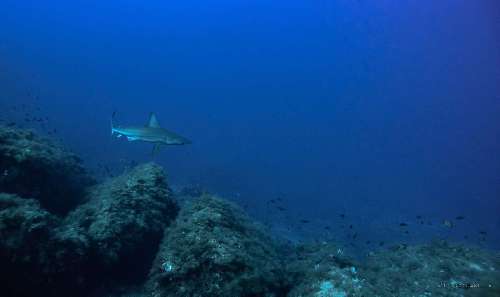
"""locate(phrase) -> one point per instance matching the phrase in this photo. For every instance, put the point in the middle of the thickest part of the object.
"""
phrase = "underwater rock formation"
(213, 249)
(123, 221)
(115, 235)
(324, 270)
(105, 247)
(436, 269)
(25, 233)
(36, 167)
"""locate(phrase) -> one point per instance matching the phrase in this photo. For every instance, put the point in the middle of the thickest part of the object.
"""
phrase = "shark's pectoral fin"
(156, 149)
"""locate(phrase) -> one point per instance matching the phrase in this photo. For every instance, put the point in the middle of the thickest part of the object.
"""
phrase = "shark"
(152, 132)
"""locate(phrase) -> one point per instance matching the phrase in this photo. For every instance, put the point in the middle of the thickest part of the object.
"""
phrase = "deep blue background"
(382, 110)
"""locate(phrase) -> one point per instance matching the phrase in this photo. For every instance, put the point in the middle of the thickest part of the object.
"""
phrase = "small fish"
(327, 228)
(355, 235)
(368, 242)
(5, 172)
(459, 218)
(403, 224)
(350, 226)
(419, 217)
(305, 221)
(342, 216)
(448, 224)
(381, 243)
(280, 208)
(482, 232)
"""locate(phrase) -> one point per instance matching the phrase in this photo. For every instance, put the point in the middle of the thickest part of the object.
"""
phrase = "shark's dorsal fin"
(153, 122)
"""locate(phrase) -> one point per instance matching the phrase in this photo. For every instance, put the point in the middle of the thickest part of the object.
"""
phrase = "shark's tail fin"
(112, 123)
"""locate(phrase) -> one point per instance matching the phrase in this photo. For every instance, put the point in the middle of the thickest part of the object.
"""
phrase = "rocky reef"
(213, 249)
(435, 269)
(123, 221)
(324, 269)
(63, 235)
(36, 167)
(25, 233)
(111, 238)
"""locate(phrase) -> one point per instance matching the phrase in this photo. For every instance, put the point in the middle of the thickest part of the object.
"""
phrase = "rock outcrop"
(38, 168)
(213, 249)
(25, 238)
(110, 239)
(123, 221)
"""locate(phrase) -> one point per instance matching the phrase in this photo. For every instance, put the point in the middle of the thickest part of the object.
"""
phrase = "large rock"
(35, 167)
(213, 249)
(123, 222)
(25, 233)
(113, 237)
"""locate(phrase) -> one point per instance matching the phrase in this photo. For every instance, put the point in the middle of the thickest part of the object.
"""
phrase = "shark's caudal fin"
(153, 122)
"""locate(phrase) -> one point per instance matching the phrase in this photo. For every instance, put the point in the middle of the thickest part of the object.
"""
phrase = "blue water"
(378, 110)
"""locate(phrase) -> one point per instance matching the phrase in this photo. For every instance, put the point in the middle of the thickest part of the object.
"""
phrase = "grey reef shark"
(151, 132)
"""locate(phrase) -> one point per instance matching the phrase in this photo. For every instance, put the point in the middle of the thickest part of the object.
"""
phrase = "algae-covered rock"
(213, 249)
(25, 232)
(324, 270)
(437, 269)
(34, 259)
(123, 221)
(36, 167)
(114, 236)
